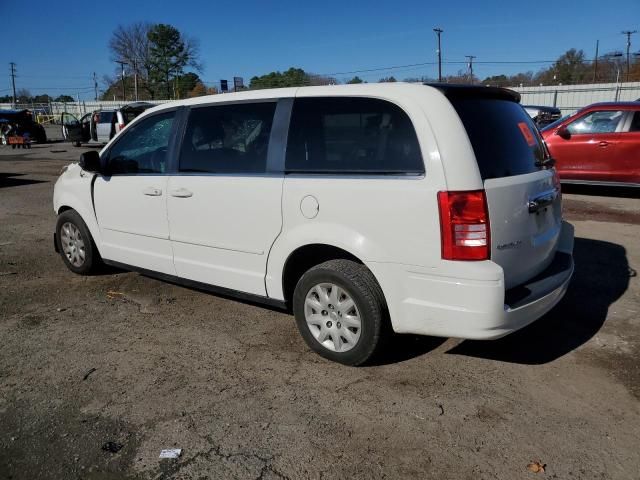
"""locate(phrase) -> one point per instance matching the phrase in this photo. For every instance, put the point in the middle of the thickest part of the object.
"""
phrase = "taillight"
(121, 126)
(464, 225)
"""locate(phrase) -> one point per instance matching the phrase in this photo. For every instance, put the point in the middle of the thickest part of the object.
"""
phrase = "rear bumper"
(424, 303)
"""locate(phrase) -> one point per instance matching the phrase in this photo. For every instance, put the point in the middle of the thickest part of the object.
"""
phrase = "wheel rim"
(332, 317)
(72, 244)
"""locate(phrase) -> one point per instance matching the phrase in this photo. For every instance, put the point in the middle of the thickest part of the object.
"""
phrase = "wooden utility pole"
(628, 33)
(439, 31)
(595, 62)
(124, 92)
(13, 81)
(470, 57)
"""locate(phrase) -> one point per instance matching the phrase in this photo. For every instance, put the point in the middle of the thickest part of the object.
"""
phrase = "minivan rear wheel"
(340, 311)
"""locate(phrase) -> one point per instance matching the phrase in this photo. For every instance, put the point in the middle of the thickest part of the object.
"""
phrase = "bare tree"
(130, 44)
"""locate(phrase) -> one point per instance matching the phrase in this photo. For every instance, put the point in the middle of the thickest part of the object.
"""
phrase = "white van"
(431, 210)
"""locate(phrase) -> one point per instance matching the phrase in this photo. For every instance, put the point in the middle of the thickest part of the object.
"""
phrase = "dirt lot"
(234, 386)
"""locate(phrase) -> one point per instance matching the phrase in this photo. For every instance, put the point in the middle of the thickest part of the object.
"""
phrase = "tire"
(332, 331)
(76, 144)
(75, 244)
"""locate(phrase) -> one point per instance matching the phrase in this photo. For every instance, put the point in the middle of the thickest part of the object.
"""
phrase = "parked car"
(542, 116)
(599, 144)
(22, 123)
(100, 126)
(423, 209)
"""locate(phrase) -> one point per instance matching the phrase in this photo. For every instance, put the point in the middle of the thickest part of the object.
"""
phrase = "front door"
(224, 204)
(589, 151)
(72, 130)
(131, 199)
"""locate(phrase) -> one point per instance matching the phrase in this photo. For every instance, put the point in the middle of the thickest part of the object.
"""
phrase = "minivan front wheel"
(340, 311)
(75, 243)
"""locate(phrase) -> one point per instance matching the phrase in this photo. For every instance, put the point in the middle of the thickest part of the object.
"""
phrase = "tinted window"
(358, 135)
(227, 138)
(106, 117)
(142, 148)
(597, 122)
(504, 138)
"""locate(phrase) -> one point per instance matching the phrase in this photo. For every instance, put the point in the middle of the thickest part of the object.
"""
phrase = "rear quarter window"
(505, 140)
(351, 135)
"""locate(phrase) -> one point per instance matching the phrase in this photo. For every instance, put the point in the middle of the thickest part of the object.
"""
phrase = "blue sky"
(57, 45)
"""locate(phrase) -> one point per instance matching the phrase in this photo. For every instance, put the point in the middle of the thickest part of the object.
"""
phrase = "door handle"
(181, 193)
(603, 144)
(543, 200)
(152, 191)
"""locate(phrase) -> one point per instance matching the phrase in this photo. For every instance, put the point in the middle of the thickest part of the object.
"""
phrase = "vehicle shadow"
(601, 191)
(401, 348)
(9, 180)
(601, 276)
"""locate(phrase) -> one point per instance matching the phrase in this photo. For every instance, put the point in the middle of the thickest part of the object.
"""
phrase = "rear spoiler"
(452, 91)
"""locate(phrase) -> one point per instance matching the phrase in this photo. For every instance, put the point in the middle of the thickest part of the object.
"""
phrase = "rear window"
(106, 117)
(504, 138)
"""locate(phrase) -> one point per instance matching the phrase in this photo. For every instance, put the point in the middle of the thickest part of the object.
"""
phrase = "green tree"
(570, 67)
(186, 83)
(388, 79)
(356, 79)
(44, 98)
(294, 77)
(169, 54)
(64, 98)
(198, 90)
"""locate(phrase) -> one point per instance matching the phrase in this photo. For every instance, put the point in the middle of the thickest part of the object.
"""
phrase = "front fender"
(73, 190)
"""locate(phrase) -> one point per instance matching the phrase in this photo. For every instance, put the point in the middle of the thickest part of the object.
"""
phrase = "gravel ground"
(158, 366)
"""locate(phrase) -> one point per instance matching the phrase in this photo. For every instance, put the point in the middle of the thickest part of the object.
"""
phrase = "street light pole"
(439, 31)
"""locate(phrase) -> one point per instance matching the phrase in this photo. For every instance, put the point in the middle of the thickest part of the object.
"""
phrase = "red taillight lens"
(121, 126)
(464, 225)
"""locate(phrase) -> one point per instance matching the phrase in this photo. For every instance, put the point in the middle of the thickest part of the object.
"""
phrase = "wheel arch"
(304, 257)
(87, 217)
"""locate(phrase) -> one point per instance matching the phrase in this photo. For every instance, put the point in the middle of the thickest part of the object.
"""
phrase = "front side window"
(227, 138)
(143, 147)
(351, 135)
(605, 121)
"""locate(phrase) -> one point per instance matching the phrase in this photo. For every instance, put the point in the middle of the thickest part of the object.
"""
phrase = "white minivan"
(364, 209)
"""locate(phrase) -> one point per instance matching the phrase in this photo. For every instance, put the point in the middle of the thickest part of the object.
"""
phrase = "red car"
(599, 144)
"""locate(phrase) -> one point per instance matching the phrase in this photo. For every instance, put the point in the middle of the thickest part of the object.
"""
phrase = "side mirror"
(90, 161)
(563, 132)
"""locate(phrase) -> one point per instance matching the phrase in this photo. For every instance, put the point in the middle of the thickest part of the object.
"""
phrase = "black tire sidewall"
(71, 216)
(368, 308)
